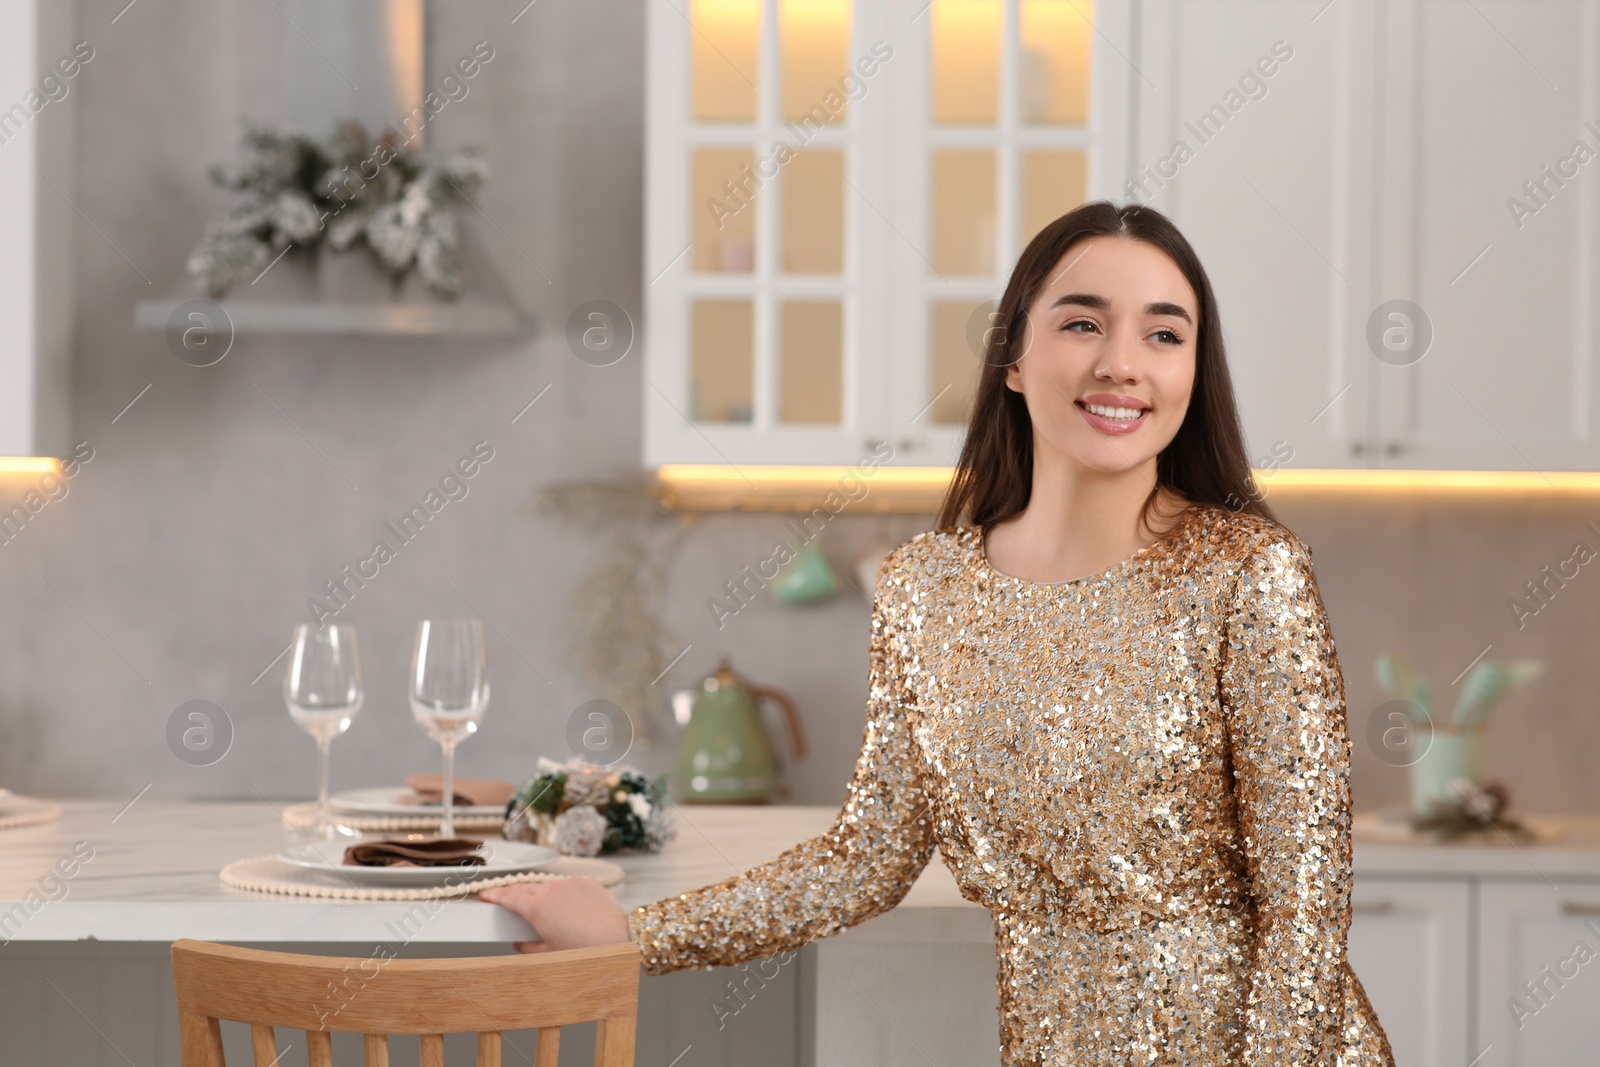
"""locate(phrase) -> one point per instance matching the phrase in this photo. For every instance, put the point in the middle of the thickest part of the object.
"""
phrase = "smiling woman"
(1127, 742)
(1169, 336)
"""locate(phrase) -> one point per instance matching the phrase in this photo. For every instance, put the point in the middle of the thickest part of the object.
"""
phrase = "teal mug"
(1452, 753)
(806, 578)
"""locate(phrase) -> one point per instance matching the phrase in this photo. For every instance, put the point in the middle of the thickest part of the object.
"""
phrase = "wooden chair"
(377, 996)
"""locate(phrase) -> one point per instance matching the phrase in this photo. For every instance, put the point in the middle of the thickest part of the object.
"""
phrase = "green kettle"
(725, 755)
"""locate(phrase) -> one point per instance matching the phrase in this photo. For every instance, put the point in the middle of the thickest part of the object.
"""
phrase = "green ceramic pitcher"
(725, 755)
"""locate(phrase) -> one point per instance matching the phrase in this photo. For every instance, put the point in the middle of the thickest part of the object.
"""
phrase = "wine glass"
(449, 691)
(323, 691)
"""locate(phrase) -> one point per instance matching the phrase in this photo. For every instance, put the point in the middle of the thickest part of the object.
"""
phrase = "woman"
(1126, 737)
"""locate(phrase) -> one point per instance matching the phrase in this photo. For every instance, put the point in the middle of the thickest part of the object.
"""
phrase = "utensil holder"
(1453, 752)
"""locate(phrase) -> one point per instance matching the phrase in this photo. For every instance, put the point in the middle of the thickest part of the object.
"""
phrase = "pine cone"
(579, 831)
(587, 787)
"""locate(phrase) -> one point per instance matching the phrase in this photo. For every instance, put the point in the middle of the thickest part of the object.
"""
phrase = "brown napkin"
(437, 852)
(488, 792)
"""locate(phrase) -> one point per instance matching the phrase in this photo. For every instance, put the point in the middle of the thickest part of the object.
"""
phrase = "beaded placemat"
(302, 816)
(18, 811)
(268, 874)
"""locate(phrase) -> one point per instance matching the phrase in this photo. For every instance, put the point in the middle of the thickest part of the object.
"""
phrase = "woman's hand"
(566, 912)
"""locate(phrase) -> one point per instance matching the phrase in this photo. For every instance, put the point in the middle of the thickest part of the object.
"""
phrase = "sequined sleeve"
(1282, 695)
(862, 866)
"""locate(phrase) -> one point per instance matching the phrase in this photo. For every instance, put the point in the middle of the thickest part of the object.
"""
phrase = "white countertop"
(153, 876)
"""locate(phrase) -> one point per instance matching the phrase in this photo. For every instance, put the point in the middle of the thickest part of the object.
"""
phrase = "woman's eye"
(1175, 339)
(1078, 322)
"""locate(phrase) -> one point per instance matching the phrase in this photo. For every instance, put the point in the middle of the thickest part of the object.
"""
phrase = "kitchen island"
(1444, 938)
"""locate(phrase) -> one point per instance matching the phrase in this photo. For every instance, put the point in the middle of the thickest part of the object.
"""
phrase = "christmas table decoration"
(583, 810)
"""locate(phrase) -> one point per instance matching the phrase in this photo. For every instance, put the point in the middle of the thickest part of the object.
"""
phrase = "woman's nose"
(1118, 359)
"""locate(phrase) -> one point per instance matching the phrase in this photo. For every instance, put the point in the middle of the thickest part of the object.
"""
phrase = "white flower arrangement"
(352, 191)
(583, 810)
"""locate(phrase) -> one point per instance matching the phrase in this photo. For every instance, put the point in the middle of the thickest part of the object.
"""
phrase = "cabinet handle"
(1372, 907)
(1388, 448)
(1573, 907)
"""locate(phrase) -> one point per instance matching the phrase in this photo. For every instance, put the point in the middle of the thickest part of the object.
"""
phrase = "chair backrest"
(377, 996)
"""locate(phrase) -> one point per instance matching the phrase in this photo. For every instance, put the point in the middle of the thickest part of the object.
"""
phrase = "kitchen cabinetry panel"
(1258, 143)
(37, 228)
(1539, 973)
(1494, 231)
(835, 189)
(1391, 201)
(1409, 947)
(898, 1005)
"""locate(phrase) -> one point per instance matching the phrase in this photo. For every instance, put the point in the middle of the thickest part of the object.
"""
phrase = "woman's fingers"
(566, 912)
(518, 898)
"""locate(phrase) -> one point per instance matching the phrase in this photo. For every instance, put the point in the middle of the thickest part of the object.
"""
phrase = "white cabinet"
(1493, 126)
(1409, 947)
(1539, 973)
(37, 225)
(1257, 141)
(905, 1005)
(835, 189)
(1379, 163)
(1392, 201)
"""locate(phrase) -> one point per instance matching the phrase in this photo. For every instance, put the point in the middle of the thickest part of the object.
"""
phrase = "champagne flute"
(449, 691)
(323, 691)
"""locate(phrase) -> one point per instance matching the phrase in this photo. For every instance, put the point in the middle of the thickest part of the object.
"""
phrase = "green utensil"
(1479, 692)
(1420, 696)
(1389, 674)
(1400, 681)
(1477, 700)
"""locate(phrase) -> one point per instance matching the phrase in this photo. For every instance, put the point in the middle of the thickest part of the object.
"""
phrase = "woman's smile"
(1113, 413)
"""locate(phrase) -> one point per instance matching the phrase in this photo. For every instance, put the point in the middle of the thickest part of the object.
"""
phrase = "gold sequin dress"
(1143, 774)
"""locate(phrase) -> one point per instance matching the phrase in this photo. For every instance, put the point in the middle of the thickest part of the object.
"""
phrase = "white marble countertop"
(153, 876)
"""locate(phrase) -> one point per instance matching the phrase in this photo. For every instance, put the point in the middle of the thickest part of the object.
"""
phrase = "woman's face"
(1111, 335)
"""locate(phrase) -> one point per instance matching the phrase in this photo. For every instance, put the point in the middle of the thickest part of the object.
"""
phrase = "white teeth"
(1114, 413)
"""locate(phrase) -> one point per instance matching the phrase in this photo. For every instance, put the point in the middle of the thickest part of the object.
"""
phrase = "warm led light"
(918, 490)
(886, 488)
(1522, 481)
(29, 465)
(792, 475)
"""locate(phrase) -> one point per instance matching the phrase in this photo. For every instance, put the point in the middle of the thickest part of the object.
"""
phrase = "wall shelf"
(466, 318)
(319, 292)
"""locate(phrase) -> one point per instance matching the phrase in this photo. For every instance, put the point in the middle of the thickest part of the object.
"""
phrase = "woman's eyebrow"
(1155, 307)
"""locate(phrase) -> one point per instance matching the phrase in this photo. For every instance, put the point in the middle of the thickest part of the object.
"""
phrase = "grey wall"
(187, 548)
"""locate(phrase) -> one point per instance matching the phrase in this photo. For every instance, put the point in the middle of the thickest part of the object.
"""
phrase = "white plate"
(387, 800)
(500, 857)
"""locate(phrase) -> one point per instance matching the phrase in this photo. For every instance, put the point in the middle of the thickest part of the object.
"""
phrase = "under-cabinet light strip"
(29, 465)
(761, 487)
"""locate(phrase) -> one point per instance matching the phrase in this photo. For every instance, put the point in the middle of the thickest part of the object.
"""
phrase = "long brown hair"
(1206, 460)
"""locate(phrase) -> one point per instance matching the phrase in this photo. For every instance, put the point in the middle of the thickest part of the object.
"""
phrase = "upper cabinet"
(1350, 178)
(46, 60)
(836, 193)
(1256, 138)
(1494, 233)
(1389, 200)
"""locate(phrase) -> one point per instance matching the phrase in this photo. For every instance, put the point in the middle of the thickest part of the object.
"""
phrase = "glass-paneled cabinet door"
(763, 286)
(1015, 112)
